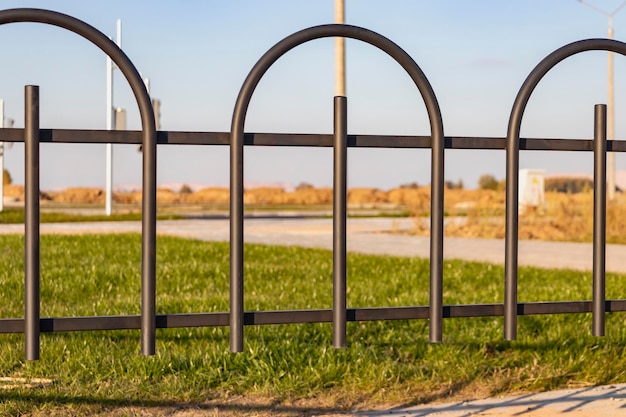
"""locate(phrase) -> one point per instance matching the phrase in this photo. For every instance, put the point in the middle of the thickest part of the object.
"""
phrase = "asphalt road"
(365, 235)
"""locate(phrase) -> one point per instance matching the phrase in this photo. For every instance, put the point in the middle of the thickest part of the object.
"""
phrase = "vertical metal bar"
(236, 243)
(148, 292)
(149, 216)
(599, 219)
(511, 240)
(148, 250)
(340, 174)
(31, 238)
(436, 241)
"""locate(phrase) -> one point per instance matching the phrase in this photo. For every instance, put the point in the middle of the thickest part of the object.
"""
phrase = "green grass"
(16, 216)
(386, 362)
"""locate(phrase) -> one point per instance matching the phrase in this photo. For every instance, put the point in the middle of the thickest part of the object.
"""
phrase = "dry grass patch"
(313, 196)
(15, 191)
(367, 196)
(264, 195)
(213, 195)
(79, 195)
(563, 217)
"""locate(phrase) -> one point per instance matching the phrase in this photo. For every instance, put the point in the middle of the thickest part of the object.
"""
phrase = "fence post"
(31, 220)
(511, 240)
(236, 243)
(340, 154)
(599, 219)
(436, 238)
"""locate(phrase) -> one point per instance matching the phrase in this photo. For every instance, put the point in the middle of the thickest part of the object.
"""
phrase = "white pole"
(610, 163)
(109, 146)
(2, 157)
(109, 126)
(340, 51)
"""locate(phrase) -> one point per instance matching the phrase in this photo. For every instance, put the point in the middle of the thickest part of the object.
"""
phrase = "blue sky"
(476, 55)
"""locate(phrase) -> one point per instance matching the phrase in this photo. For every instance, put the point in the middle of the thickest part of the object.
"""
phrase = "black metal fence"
(32, 324)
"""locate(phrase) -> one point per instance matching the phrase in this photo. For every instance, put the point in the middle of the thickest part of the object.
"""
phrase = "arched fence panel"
(512, 185)
(339, 212)
(148, 259)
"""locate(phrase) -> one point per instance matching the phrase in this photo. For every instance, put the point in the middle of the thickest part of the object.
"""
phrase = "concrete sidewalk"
(604, 401)
(365, 235)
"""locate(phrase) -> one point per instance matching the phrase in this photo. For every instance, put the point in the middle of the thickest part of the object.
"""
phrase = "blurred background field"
(565, 215)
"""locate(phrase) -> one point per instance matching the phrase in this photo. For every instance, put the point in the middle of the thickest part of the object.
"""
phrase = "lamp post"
(340, 51)
(610, 178)
(108, 206)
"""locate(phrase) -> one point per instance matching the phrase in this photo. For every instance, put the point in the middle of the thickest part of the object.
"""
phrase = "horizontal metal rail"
(313, 140)
(252, 318)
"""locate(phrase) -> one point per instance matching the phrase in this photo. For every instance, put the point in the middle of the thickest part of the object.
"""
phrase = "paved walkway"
(365, 235)
(604, 401)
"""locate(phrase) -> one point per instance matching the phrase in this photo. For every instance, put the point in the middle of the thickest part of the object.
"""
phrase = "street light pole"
(611, 119)
(109, 146)
(109, 126)
(610, 178)
(340, 51)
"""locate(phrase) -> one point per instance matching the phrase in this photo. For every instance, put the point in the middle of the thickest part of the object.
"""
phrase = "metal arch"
(512, 165)
(148, 318)
(236, 163)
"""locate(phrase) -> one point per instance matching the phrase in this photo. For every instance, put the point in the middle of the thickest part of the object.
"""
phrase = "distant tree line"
(489, 182)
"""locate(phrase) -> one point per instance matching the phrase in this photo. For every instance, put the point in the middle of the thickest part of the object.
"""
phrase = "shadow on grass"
(237, 406)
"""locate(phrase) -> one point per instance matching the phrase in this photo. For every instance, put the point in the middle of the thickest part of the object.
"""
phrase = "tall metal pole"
(109, 146)
(2, 156)
(109, 126)
(610, 180)
(340, 51)
(610, 177)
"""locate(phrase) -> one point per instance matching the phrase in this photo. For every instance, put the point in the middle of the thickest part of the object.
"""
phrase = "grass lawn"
(289, 368)
(16, 216)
